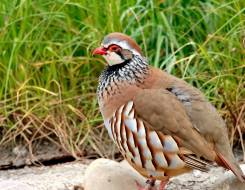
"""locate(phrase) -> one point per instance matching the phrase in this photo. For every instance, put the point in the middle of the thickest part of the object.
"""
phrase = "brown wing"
(162, 111)
(209, 123)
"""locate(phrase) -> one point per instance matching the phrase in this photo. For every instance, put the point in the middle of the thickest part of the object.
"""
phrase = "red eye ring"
(114, 48)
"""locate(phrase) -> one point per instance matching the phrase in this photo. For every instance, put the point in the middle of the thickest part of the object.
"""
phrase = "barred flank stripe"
(151, 150)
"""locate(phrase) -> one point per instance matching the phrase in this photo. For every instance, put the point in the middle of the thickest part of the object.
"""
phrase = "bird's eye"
(114, 48)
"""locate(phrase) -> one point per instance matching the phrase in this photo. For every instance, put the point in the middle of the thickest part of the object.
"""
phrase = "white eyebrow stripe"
(122, 44)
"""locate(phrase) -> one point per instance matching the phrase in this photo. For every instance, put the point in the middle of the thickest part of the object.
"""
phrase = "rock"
(16, 151)
(13, 185)
(111, 175)
(228, 181)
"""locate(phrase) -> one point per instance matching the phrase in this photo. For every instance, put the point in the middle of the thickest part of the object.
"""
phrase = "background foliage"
(48, 76)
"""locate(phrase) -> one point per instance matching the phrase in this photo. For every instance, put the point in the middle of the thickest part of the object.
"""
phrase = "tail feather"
(233, 166)
(198, 164)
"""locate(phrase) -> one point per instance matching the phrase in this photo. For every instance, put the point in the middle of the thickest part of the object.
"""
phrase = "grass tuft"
(49, 76)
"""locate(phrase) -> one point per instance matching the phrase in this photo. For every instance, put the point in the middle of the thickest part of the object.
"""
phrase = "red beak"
(100, 50)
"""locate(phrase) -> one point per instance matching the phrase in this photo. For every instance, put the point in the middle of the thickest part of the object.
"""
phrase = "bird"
(162, 125)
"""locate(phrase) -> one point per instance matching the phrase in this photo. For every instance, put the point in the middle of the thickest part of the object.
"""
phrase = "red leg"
(149, 186)
(163, 184)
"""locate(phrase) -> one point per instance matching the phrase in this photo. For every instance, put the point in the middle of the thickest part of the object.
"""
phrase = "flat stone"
(14, 185)
(228, 181)
(111, 175)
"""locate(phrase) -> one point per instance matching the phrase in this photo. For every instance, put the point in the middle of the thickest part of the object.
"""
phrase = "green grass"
(48, 76)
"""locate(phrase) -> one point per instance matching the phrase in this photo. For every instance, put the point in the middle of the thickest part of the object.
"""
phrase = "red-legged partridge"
(162, 125)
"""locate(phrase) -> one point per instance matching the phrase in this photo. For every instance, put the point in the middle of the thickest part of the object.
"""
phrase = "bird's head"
(118, 48)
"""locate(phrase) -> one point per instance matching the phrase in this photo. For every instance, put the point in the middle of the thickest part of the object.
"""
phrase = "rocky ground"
(110, 175)
(106, 174)
(56, 177)
(99, 175)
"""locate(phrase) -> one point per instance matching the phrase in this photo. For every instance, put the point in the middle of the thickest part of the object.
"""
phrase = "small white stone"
(24, 153)
(197, 173)
(16, 150)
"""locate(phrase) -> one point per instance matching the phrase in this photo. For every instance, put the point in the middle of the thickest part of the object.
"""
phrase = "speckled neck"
(132, 72)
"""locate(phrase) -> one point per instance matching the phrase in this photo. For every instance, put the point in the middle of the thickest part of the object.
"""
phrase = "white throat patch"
(112, 58)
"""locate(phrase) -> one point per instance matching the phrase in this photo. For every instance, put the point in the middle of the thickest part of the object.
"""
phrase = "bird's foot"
(163, 184)
(151, 183)
(149, 186)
